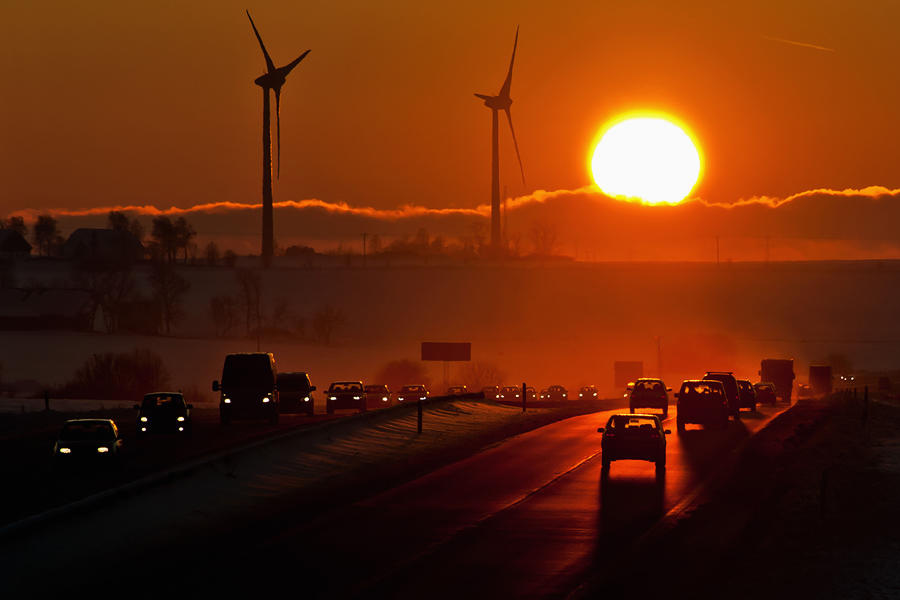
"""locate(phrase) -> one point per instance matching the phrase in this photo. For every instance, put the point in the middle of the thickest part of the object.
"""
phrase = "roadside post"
(865, 418)
(419, 415)
(46, 401)
(524, 396)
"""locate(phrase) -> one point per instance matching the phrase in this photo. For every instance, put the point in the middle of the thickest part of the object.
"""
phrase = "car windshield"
(643, 387)
(632, 424)
(378, 389)
(690, 388)
(413, 388)
(587, 389)
(163, 401)
(87, 431)
(556, 388)
(293, 381)
(510, 388)
(745, 386)
(346, 387)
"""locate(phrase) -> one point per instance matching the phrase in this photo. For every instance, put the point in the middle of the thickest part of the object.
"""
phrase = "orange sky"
(108, 104)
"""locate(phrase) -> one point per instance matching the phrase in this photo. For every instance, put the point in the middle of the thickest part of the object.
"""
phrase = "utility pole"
(717, 251)
(767, 248)
(659, 372)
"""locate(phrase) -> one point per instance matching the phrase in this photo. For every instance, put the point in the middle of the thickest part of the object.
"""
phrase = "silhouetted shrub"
(117, 376)
(398, 373)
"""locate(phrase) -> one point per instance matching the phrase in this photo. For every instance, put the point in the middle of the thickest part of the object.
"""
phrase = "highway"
(527, 518)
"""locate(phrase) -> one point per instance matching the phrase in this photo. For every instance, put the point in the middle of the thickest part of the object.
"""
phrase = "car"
(164, 412)
(555, 393)
(412, 393)
(345, 394)
(648, 392)
(729, 381)
(491, 392)
(457, 390)
(295, 393)
(804, 390)
(588, 391)
(87, 441)
(747, 394)
(765, 392)
(378, 395)
(633, 436)
(511, 393)
(249, 387)
(530, 393)
(702, 401)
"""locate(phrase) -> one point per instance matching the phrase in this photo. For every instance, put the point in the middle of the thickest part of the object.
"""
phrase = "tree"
(374, 244)
(326, 322)
(17, 224)
(229, 258)
(398, 373)
(184, 235)
(224, 313)
(212, 254)
(46, 234)
(168, 289)
(249, 294)
(119, 221)
(165, 238)
(479, 374)
(543, 238)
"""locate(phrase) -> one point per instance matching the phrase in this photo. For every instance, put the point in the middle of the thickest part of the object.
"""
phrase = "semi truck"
(780, 372)
(820, 380)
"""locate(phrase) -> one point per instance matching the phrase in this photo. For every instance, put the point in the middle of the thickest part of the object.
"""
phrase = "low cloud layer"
(812, 225)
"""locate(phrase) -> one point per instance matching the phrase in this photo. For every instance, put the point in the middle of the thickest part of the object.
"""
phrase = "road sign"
(447, 351)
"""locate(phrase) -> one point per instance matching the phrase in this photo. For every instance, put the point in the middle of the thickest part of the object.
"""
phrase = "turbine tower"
(272, 79)
(501, 101)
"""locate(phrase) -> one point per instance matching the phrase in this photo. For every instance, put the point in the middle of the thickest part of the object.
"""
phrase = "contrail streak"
(801, 44)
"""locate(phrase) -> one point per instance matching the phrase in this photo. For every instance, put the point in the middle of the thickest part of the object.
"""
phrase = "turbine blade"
(290, 66)
(504, 91)
(269, 64)
(278, 131)
(483, 96)
(516, 144)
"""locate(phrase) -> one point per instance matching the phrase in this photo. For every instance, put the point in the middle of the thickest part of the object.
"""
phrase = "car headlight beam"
(102, 449)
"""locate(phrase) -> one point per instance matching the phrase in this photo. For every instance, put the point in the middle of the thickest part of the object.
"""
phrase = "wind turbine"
(501, 101)
(272, 79)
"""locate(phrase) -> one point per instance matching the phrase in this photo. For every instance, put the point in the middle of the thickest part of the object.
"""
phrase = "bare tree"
(326, 322)
(168, 289)
(46, 234)
(165, 238)
(249, 293)
(229, 258)
(479, 374)
(17, 224)
(398, 373)
(184, 235)
(110, 287)
(543, 238)
(212, 254)
(224, 313)
(119, 221)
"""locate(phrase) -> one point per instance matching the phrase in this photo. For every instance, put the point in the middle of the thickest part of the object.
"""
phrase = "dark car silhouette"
(457, 390)
(249, 387)
(87, 442)
(378, 395)
(164, 412)
(729, 382)
(491, 392)
(555, 393)
(511, 392)
(649, 392)
(295, 393)
(531, 393)
(588, 391)
(702, 401)
(765, 392)
(633, 437)
(412, 393)
(345, 394)
(747, 394)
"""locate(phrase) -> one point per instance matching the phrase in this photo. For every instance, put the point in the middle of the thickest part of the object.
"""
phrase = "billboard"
(447, 351)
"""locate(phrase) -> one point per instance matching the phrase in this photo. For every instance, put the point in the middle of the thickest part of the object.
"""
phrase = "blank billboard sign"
(447, 351)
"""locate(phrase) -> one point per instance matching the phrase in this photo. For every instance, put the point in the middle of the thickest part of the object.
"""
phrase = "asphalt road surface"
(530, 517)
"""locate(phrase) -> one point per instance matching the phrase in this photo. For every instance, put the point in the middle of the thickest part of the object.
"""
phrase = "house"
(13, 245)
(108, 245)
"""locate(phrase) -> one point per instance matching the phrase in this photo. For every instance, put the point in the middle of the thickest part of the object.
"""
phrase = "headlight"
(384, 398)
(102, 449)
(581, 395)
(267, 399)
(400, 399)
(595, 393)
(306, 398)
(143, 429)
(65, 451)
(143, 419)
(227, 400)
(181, 429)
(332, 397)
(356, 397)
(517, 395)
(497, 396)
(421, 397)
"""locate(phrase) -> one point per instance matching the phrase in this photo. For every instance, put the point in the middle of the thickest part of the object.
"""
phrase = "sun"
(649, 159)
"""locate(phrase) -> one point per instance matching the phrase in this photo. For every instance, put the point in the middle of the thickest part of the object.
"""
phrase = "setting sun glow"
(648, 159)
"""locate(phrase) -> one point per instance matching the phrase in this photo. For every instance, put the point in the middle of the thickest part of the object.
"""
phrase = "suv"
(729, 382)
(747, 393)
(636, 437)
(511, 393)
(491, 392)
(83, 441)
(648, 392)
(379, 395)
(163, 412)
(295, 393)
(457, 390)
(345, 394)
(248, 387)
(702, 401)
(588, 391)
